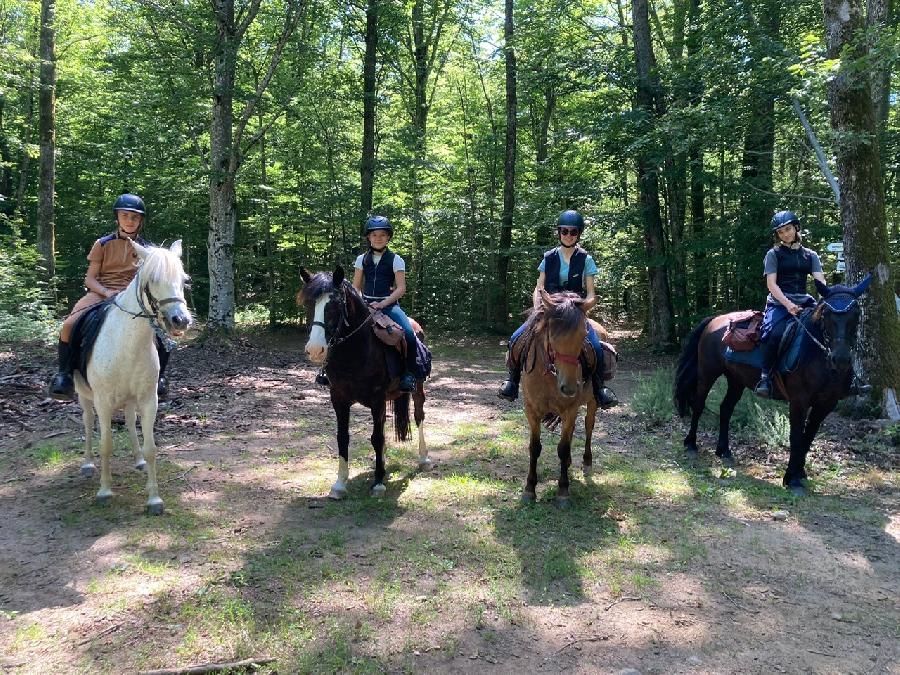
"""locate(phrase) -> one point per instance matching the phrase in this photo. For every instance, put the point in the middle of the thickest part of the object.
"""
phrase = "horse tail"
(400, 408)
(687, 372)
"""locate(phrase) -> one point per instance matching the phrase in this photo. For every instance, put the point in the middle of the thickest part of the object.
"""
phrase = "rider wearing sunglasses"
(568, 267)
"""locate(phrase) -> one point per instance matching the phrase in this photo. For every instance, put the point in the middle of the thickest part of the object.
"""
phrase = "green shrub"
(652, 398)
(25, 312)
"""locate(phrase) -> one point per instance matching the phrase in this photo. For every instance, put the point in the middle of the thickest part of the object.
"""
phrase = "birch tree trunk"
(660, 320)
(367, 164)
(862, 197)
(46, 225)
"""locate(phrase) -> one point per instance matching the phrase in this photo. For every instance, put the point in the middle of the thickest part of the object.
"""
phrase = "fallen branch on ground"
(252, 664)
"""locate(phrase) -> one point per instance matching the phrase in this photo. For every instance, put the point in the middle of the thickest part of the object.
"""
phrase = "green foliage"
(24, 312)
(652, 399)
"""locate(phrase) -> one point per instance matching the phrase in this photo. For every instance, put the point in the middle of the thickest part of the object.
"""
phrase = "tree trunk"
(660, 319)
(223, 167)
(367, 165)
(862, 195)
(25, 164)
(753, 235)
(509, 167)
(879, 17)
(46, 226)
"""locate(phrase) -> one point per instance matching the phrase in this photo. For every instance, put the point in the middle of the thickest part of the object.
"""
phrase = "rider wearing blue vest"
(380, 276)
(568, 267)
(786, 266)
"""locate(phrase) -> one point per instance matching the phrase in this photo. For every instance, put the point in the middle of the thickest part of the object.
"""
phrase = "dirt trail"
(662, 566)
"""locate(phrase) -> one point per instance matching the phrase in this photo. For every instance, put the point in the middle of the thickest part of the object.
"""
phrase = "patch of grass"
(26, 636)
(49, 456)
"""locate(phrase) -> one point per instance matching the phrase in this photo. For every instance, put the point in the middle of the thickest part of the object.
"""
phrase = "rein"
(826, 348)
(152, 317)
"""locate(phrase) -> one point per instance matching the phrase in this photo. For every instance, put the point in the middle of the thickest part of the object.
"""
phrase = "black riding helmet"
(129, 202)
(783, 218)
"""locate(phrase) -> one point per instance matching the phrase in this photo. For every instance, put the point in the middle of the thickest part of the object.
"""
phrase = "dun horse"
(355, 361)
(120, 369)
(821, 378)
(553, 382)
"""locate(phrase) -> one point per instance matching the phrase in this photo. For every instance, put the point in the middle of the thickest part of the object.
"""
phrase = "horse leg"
(377, 438)
(342, 413)
(816, 416)
(419, 417)
(690, 441)
(106, 444)
(87, 416)
(732, 396)
(534, 451)
(795, 474)
(590, 418)
(130, 422)
(155, 505)
(564, 451)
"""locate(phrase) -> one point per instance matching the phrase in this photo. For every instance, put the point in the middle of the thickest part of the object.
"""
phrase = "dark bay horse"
(812, 390)
(355, 361)
(553, 382)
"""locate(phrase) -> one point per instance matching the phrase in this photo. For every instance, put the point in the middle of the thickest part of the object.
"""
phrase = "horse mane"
(321, 283)
(161, 264)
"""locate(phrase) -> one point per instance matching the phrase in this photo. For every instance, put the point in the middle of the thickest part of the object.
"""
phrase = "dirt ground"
(662, 565)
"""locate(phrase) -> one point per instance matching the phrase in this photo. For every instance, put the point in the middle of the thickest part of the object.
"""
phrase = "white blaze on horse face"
(316, 345)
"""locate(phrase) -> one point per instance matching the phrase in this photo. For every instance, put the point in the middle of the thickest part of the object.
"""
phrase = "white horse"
(123, 367)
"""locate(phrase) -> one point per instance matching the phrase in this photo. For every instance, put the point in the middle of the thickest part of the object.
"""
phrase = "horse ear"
(138, 249)
(176, 247)
(338, 276)
(305, 275)
(546, 299)
(863, 285)
(822, 288)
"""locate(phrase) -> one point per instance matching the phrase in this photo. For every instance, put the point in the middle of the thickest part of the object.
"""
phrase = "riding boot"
(606, 398)
(769, 350)
(408, 381)
(162, 386)
(510, 388)
(62, 387)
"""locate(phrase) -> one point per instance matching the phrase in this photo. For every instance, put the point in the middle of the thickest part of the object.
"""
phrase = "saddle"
(84, 334)
(742, 334)
(391, 333)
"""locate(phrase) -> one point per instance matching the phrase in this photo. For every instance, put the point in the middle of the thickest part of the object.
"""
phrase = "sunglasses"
(569, 231)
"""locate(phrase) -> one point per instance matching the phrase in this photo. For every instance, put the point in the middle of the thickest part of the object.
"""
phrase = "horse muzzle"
(315, 353)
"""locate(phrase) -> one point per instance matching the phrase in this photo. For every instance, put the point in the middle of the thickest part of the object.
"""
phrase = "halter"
(338, 295)
(152, 317)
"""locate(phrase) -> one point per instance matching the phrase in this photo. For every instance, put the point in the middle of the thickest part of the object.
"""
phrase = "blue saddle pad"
(787, 361)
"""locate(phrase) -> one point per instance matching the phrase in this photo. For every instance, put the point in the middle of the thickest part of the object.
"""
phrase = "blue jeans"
(400, 317)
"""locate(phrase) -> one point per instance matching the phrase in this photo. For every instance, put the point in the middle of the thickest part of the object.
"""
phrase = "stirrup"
(509, 390)
(606, 398)
(408, 383)
(763, 388)
(62, 387)
(162, 388)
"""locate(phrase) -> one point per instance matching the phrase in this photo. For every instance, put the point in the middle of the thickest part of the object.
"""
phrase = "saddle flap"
(85, 332)
(388, 331)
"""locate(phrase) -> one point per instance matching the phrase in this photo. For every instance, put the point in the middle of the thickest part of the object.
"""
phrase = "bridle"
(339, 295)
(825, 343)
(140, 289)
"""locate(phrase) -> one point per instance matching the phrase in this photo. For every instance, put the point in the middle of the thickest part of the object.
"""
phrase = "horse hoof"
(728, 460)
(587, 470)
(88, 470)
(425, 464)
(141, 466)
(337, 494)
(797, 490)
(563, 503)
(155, 508)
(691, 451)
(527, 498)
(378, 490)
(103, 500)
